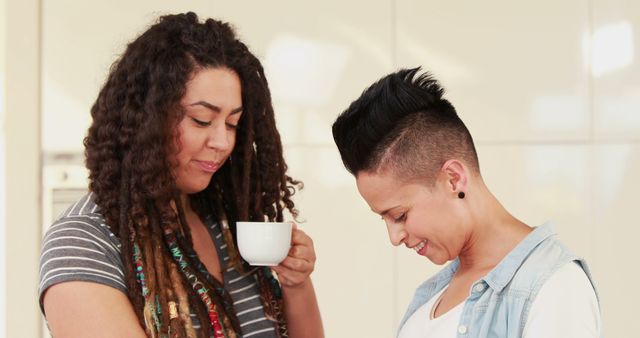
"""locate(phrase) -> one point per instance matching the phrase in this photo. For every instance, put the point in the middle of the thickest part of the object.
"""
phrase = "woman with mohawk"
(416, 165)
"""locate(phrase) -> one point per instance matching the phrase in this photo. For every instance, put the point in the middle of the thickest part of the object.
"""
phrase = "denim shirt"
(498, 304)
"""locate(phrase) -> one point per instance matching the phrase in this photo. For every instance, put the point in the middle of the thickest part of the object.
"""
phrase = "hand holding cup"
(298, 265)
(281, 245)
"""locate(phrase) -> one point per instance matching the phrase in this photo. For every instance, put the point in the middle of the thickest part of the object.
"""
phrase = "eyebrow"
(386, 211)
(215, 108)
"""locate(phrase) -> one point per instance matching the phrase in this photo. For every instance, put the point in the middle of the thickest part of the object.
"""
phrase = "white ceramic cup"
(263, 243)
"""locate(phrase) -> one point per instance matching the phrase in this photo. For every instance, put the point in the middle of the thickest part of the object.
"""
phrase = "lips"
(208, 166)
(420, 248)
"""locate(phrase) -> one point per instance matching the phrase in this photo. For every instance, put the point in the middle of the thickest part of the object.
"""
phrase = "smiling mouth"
(419, 248)
(208, 166)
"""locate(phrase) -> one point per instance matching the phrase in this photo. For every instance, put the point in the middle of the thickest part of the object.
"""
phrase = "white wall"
(20, 249)
(549, 89)
(2, 169)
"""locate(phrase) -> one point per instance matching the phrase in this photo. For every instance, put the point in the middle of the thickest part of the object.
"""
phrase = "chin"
(438, 261)
(193, 189)
(199, 189)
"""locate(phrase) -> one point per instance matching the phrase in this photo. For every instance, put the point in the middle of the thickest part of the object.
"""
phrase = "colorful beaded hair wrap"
(270, 291)
(221, 324)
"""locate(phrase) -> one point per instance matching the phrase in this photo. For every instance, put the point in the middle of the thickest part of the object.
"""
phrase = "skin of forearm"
(302, 311)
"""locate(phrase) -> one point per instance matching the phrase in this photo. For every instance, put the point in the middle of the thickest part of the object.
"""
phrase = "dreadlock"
(128, 149)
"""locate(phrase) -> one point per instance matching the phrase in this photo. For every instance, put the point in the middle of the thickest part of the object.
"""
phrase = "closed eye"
(201, 123)
(401, 218)
(232, 126)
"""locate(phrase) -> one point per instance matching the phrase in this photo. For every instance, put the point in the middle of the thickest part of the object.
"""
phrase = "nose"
(397, 234)
(219, 138)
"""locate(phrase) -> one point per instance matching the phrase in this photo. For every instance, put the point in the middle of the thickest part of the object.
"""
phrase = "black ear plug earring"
(461, 195)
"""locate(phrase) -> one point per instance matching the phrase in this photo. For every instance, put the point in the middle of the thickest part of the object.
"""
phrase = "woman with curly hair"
(183, 144)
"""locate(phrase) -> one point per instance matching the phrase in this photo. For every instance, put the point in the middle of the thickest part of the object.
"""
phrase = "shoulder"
(541, 263)
(551, 252)
(565, 306)
(569, 281)
(83, 206)
(79, 246)
(82, 220)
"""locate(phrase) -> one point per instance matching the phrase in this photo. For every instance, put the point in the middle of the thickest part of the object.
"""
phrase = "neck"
(186, 204)
(193, 220)
(494, 232)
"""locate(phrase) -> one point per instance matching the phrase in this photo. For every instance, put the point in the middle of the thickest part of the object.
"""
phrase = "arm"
(85, 309)
(301, 305)
(565, 307)
(82, 286)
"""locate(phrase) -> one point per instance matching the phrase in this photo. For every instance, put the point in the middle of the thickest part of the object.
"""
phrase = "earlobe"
(457, 177)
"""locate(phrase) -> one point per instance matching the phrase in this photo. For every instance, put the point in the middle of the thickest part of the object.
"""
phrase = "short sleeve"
(80, 248)
(565, 307)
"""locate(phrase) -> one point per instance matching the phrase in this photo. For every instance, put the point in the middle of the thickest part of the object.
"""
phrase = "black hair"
(403, 123)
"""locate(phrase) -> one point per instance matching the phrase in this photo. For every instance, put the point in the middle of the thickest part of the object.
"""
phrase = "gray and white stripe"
(79, 246)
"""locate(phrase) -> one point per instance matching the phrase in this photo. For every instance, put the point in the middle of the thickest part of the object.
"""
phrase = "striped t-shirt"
(79, 246)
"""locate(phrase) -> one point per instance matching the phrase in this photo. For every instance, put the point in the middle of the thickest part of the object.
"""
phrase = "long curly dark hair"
(128, 150)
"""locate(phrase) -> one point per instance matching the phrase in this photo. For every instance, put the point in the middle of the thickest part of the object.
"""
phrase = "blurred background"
(549, 89)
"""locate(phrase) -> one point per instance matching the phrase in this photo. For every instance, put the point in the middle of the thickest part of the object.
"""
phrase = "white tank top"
(422, 324)
(566, 307)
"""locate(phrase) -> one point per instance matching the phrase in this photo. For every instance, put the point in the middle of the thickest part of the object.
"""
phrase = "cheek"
(186, 148)
(419, 220)
(418, 227)
(194, 138)
(183, 150)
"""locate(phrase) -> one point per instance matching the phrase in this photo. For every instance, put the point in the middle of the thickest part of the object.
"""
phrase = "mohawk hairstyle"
(403, 123)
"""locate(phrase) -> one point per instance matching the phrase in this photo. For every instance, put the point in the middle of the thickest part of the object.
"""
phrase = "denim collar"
(497, 279)
(502, 274)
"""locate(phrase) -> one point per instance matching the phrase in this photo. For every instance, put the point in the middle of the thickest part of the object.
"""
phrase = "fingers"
(302, 246)
(293, 272)
(299, 237)
(297, 264)
(303, 252)
(300, 262)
